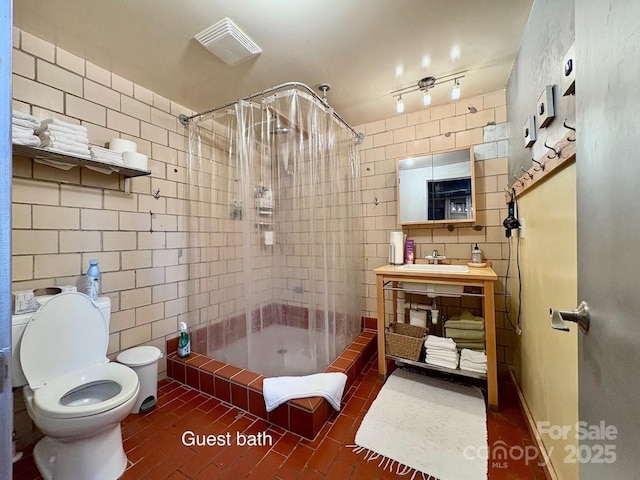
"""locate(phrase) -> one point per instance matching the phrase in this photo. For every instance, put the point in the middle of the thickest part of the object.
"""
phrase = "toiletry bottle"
(93, 279)
(184, 344)
(476, 255)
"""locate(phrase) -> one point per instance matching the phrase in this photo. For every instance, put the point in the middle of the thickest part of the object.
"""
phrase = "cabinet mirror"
(437, 188)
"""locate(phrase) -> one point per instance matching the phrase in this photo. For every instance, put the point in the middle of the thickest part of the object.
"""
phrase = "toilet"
(73, 394)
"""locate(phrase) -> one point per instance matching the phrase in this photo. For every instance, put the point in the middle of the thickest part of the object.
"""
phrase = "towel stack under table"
(441, 352)
(467, 331)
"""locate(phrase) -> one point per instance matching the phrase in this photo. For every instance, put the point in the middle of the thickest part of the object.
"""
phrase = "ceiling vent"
(227, 42)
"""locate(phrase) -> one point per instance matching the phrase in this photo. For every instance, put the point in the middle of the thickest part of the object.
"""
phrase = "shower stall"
(274, 209)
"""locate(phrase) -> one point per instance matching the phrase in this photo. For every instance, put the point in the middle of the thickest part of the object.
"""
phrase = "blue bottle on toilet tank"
(93, 279)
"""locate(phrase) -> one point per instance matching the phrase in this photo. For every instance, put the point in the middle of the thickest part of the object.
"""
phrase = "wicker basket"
(403, 340)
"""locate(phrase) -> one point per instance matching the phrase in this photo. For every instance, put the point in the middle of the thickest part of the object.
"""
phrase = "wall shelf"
(37, 153)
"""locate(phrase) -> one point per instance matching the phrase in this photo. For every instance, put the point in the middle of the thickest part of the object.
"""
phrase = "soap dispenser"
(476, 255)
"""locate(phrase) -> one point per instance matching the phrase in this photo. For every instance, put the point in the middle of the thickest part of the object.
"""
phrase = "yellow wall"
(547, 365)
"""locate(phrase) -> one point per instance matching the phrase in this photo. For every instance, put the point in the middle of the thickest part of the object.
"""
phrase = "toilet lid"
(66, 334)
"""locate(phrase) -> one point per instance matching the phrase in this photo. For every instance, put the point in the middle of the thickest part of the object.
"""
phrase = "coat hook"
(507, 189)
(556, 152)
(376, 201)
(518, 180)
(564, 124)
(156, 193)
(539, 163)
(527, 172)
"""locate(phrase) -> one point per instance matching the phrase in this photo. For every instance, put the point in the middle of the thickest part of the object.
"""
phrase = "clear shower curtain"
(277, 181)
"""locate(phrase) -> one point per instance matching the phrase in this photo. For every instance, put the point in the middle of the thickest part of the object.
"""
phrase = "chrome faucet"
(435, 256)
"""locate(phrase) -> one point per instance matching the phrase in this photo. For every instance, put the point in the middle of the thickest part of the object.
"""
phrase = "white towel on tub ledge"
(278, 390)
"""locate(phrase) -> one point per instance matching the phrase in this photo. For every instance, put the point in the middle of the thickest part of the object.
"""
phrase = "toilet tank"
(19, 323)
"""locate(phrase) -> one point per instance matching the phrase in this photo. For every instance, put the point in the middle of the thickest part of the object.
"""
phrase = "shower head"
(279, 129)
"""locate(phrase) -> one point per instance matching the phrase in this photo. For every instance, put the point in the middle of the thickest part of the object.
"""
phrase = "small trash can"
(144, 361)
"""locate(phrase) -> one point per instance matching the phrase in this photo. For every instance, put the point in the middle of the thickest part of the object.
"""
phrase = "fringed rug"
(423, 427)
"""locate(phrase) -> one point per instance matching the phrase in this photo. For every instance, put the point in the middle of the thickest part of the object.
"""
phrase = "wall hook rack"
(556, 152)
(564, 153)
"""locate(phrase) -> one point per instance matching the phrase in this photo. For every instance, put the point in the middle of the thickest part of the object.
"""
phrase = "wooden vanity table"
(388, 277)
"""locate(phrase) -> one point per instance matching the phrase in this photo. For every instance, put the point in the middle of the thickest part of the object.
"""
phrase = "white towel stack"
(105, 155)
(23, 127)
(64, 137)
(473, 361)
(441, 352)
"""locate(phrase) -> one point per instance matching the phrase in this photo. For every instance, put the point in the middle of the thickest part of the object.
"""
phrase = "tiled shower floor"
(153, 441)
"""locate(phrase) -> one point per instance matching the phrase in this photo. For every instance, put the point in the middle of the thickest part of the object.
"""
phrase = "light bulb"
(426, 98)
(399, 105)
(455, 91)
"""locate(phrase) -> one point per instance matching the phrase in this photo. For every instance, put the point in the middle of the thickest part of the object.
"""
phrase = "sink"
(430, 268)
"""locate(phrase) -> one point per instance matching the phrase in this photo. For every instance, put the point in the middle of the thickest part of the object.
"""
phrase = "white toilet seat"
(47, 399)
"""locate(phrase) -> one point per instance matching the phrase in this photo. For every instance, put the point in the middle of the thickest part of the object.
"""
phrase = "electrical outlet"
(523, 227)
(545, 110)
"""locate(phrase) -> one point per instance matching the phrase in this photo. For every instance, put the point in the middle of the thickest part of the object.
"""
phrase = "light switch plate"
(545, 111)
(529, 131)
(569, 72)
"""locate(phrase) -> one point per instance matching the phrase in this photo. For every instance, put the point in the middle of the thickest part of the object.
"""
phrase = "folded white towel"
(104, 154)
(448, 356)
(441, 363)
(17, 131)
(278, 390)
(433, 341)
(19, 122)
(64, 137)
(25, 117)
(60, 129)
(31, 141)
(54, 122)
(472, 367)
(473, 356)
(48, 141)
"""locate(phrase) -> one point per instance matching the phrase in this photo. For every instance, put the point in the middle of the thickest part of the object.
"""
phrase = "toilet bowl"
(74, 395)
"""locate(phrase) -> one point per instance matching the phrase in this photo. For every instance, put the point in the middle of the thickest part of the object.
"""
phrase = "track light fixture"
(425, 85)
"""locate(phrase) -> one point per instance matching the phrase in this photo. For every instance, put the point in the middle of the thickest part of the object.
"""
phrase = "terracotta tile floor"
(153, 441)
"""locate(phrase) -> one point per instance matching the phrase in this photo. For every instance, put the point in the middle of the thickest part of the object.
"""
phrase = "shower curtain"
(275, 182)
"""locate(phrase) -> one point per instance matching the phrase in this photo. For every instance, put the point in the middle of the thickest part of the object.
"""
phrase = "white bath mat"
(422, 424)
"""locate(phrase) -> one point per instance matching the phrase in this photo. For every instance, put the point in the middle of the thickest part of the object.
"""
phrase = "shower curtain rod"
(184, 120)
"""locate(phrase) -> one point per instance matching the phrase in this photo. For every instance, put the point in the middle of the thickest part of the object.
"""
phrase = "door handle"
(580, 316)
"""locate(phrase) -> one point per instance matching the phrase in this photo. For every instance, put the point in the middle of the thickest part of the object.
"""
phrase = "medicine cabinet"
(438, 188)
